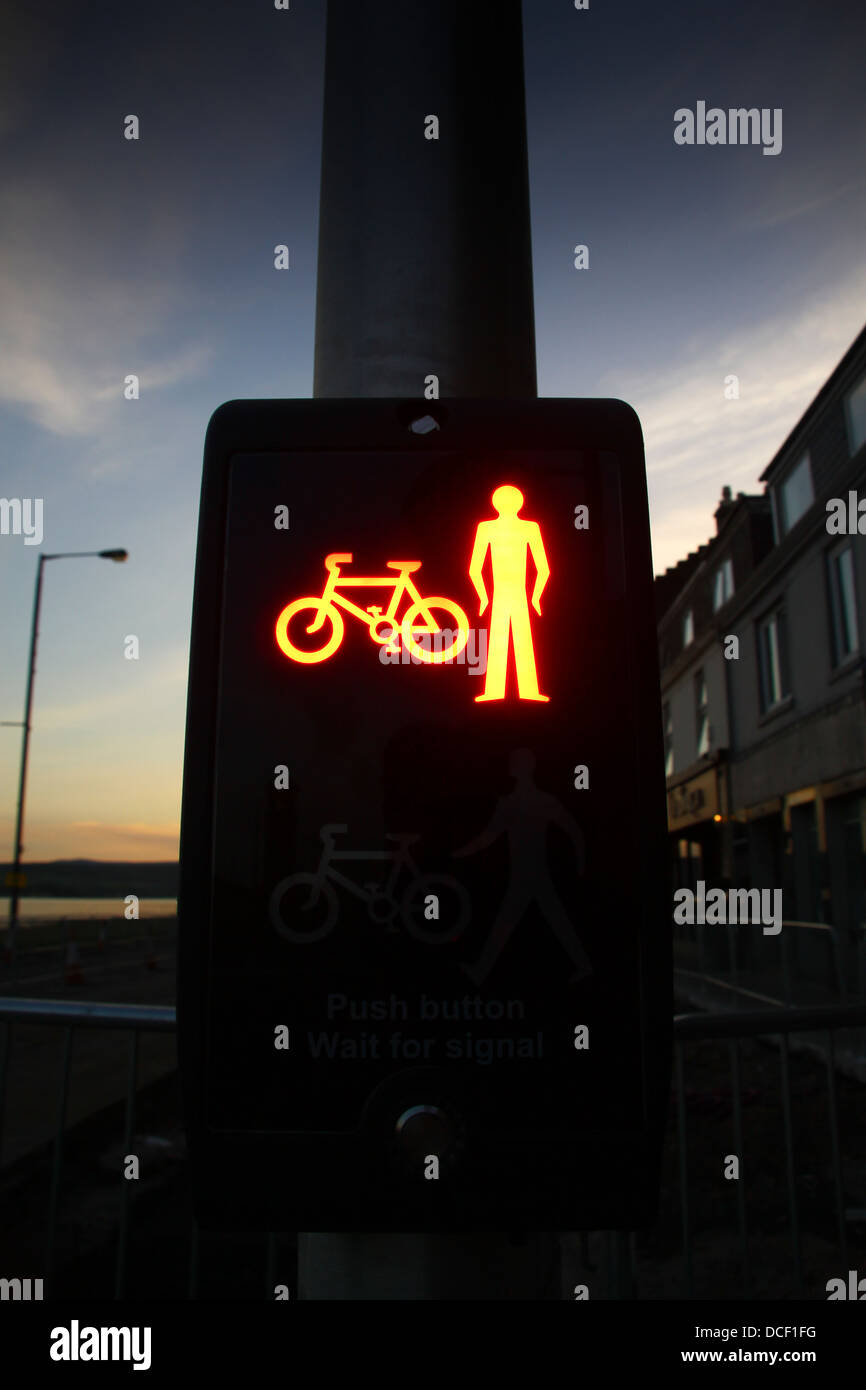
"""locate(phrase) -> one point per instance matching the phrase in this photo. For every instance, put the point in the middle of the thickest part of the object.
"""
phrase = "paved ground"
(113, 972)
(135, 970)
(160, 1250)
(160, 1247)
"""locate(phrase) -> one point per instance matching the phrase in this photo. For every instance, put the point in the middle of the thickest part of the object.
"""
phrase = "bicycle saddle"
(407, 566)
(327, 832)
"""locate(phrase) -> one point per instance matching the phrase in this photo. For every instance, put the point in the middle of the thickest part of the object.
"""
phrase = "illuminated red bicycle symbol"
(418, 621)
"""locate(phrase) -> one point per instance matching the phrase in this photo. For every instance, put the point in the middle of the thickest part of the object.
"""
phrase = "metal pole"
(129, 1130)
(117, 555)
(684, 1172)
(425, 270)
(425, 261)
(22, 781)
(57, 1160)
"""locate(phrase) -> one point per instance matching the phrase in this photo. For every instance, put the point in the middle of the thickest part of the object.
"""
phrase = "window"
(774, 508)
(843, 603)
(773, 660)
(723, 586)
(855, 411)
(688, 628)
(702, 715)
(669, 738)
(797, 494)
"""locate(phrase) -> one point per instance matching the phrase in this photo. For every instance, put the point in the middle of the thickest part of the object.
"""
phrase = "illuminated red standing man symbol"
(509, 539)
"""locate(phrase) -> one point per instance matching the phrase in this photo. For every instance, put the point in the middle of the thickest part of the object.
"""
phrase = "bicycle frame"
(386, 628)
(401, 584)
(398, 857)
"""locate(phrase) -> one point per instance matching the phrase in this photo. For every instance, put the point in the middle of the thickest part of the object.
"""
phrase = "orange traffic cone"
(74, 975)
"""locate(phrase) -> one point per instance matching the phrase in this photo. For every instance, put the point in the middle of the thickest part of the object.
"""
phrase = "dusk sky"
(155, 257)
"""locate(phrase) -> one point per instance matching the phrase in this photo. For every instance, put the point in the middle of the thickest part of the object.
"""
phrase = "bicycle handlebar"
(327, 832)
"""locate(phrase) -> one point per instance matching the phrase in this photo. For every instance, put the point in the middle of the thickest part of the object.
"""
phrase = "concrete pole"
(425, 270)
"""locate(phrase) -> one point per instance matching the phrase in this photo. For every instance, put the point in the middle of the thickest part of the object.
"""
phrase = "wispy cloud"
(140, 830)
(94, 839)
(780, 209)
(696, 440)
(29, 38)
(75, 324)
(159, 685)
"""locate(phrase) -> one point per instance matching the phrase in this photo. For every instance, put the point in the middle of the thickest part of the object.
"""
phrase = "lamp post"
(118, 556)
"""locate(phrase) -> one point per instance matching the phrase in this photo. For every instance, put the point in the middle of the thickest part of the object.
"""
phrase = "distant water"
(30, 909)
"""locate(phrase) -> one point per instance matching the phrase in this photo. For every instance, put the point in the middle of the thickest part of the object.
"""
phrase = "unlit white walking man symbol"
(524, 816)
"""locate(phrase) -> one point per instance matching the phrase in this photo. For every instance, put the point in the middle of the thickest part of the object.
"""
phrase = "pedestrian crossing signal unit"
(425, 958)
(510, 541)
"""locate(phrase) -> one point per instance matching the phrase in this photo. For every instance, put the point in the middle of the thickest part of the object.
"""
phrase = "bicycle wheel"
(452, 903)
(296, 896)
(456, 622)
(314, 607)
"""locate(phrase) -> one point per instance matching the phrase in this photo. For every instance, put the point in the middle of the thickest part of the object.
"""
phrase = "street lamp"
(15, 875)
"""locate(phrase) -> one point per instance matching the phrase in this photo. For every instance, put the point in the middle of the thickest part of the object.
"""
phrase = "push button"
(426, 1129)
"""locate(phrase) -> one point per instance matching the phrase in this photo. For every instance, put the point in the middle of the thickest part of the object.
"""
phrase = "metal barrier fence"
(67, 1016)
(734, 1026)
(776, 1023)
(816, 956)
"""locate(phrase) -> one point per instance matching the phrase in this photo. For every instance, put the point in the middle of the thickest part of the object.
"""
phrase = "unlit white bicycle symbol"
(304, 907)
